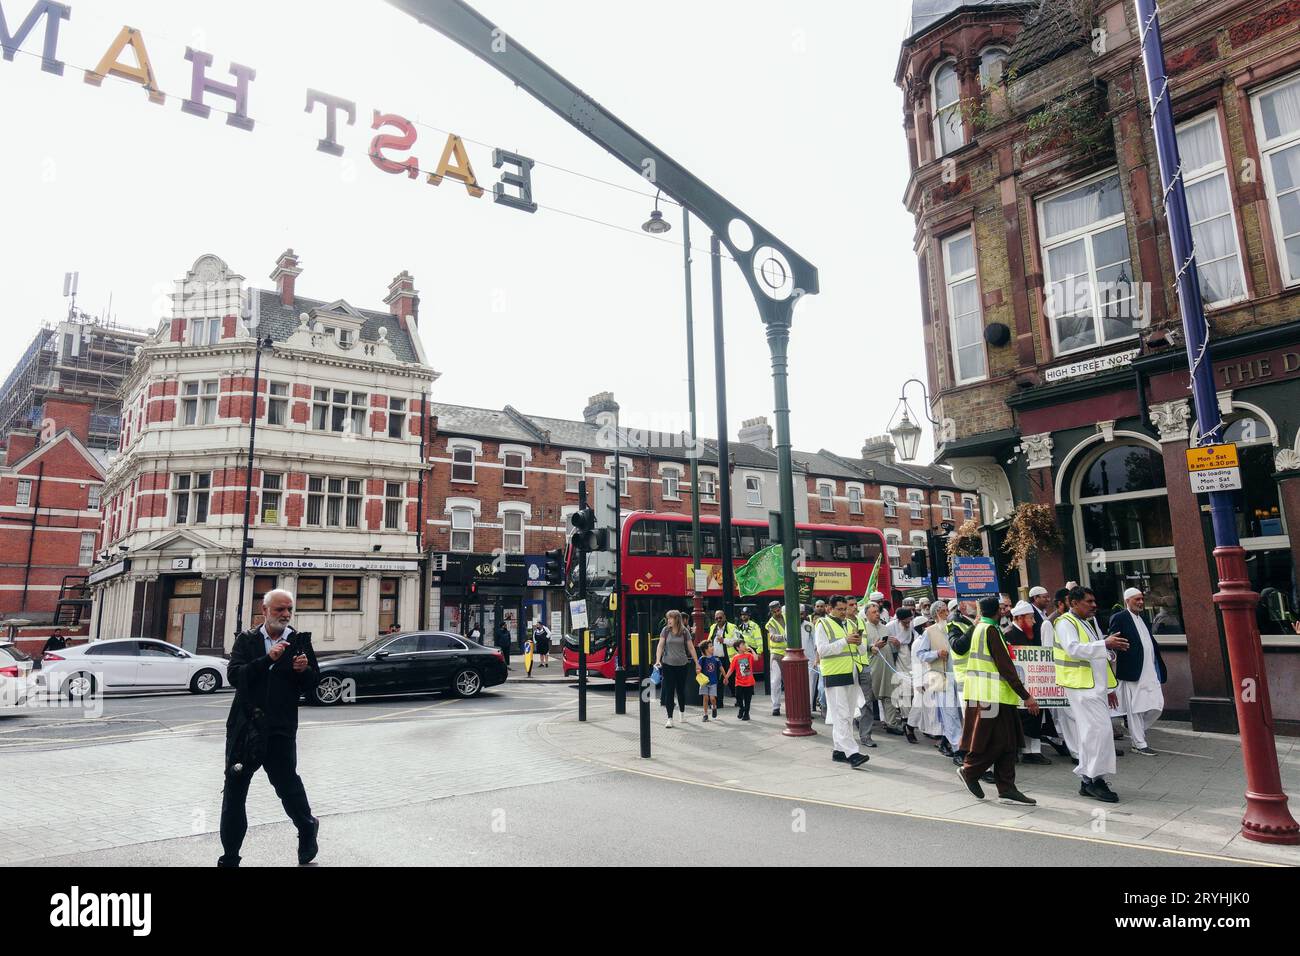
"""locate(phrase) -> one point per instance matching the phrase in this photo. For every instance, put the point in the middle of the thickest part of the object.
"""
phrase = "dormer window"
(993, 64)
(345, 339)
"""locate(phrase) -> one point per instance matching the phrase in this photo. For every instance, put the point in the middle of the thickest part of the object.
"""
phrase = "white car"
(15, 678)
(131, 664)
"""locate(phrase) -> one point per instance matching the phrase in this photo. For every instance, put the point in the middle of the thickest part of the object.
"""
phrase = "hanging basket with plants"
(966, 542)
(1033, 529)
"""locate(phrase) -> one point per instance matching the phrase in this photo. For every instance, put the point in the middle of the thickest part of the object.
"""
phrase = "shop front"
(481, 590)
(1108, 451)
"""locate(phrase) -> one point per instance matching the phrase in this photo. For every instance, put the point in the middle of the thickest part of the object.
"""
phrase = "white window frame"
(192, 491)
(855, 494)
(708, 486)
(1267, 148)
(205, 331)
(889, 501)
(1192, 177)
(452, 449)
(951, 283)
(967, 507)
(826, 497)
(506, 533)
(274, 491)
(86, 556)
(945, 505)
(754, 492)
(916, 504)
(344, 497)
(277, 404)
(572, 478)
(202, 403)
(937, 110)
(392, 499)
(624, 472)
(672, 484)
(1086, 233)
(355, 411)
(506, 468)
(94, 497)
(894, 547)
(397, 409)
(23, 499)
(469, 531)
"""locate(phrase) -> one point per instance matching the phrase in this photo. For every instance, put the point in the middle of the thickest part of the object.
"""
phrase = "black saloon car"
(414, 663)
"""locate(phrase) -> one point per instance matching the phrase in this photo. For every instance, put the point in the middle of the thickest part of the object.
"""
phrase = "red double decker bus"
(658, 574)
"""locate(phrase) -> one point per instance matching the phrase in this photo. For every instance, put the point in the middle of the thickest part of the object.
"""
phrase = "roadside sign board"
(578, 615)
(1214, 468)
(974, 577)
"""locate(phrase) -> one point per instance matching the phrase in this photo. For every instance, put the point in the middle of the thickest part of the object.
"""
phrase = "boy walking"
(711, 668)
(742, 669)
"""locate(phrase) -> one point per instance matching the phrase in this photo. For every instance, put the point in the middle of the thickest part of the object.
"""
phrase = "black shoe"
(893, 730)
(776, 713)
(988, 777)
(945, 748)
(972, 785)
(1075, 761)
(1098, 790)
(1015, 796)
(857, 760)
(839, 756)
(910, 731)
(958, 758)
(307, 845)
(1060, 748)
(1038, 759)
(228, 861)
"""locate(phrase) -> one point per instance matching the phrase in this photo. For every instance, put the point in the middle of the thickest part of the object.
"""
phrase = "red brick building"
(1055, 347)
(50, 487)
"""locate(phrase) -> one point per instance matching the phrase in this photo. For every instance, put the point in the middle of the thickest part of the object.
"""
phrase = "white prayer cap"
(909, 602)
(1024, 607)
(954, 605)
(877, 596)
(1036, 590)
(1132, 593)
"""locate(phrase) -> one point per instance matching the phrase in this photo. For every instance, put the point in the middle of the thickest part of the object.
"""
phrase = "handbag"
(656, 676)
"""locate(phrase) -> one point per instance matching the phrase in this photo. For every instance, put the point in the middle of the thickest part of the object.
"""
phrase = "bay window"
(945, 95)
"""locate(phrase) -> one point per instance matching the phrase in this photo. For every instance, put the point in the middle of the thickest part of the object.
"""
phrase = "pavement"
(1188, 800)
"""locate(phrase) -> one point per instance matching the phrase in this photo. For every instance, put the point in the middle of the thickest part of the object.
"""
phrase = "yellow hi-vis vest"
(982, 682)
(1072, 672)
(862, 654)
(959, 661)
(776, 636)
(728, 631)
(837, 665)
(753, 635)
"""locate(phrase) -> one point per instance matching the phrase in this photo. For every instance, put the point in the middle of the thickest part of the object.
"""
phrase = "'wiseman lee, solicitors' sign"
(396, 134)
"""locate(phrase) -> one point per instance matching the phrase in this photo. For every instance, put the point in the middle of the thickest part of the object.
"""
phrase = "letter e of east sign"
(514, 188)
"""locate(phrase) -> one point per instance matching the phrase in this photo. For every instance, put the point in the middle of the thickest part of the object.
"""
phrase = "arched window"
(1124, 534)
(945, 95)
(993, 63)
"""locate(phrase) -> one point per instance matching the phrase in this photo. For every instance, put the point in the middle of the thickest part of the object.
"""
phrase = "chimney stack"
(880, 448)
(285, 275)
(756, 432)
(599, 405)
(70, 414)
(21, 443)
(403, 301)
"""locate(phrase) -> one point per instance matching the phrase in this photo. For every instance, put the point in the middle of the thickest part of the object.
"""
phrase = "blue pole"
(1266, 819)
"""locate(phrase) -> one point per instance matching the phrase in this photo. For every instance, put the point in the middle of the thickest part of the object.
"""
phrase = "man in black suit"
(270, 667)
(1139, 669)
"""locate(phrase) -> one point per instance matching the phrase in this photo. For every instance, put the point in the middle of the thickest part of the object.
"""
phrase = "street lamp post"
(258, 345)
(1267, 819)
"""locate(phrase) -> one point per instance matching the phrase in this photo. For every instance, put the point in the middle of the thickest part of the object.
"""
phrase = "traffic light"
(555, 566)
(583, 523)
(919, 567)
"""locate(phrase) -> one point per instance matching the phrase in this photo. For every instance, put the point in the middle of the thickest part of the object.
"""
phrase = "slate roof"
(927, 13)
(1051, 31)
(280, 322)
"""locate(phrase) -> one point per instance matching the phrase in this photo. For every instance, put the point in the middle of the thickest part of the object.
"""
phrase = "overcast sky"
(786, 108)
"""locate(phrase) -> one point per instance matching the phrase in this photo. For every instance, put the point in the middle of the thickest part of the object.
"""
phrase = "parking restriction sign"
(1214, 468)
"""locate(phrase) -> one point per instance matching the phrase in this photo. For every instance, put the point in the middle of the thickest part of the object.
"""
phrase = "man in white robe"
(1140, 671)
(1090, 706)
(835, 642)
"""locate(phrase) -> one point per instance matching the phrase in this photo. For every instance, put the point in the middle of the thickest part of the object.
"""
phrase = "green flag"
(875, 577)
(763, 572)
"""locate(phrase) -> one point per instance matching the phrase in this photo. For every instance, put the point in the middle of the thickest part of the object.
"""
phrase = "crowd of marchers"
(945, 673)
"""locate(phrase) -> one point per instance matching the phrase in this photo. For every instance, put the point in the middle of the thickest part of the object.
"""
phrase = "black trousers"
(744, 697)
(674, 685)
(281, 766)
(505, 651)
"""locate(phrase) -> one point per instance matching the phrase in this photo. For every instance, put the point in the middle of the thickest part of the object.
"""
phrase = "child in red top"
(742, 668)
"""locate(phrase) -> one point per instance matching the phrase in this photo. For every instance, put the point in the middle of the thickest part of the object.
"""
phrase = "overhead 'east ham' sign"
(395, 134)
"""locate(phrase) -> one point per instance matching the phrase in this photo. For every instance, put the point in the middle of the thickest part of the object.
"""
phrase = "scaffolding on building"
(82, 357)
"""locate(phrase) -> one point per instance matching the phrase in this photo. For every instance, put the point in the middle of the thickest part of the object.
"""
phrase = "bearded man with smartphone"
(270, 667)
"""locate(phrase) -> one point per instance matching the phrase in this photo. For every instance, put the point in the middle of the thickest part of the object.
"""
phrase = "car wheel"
(467, 683)
(79, 686)
(327, 692)
(205, 682)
